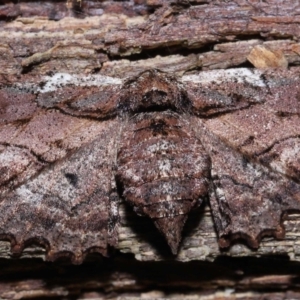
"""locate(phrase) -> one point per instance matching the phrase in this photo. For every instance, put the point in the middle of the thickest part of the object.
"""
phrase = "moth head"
(153, 90)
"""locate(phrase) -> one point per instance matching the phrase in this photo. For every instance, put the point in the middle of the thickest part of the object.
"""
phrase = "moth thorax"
(153, 91)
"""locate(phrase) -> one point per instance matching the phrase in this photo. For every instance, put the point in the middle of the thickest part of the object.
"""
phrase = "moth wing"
(57, 184)
(255, 157)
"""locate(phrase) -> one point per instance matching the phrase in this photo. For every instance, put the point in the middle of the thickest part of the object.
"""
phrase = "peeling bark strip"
(175, 36)
(70, 151)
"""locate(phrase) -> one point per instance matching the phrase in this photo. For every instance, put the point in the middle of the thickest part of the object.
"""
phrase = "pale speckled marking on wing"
(57, 183)
(68, 205)
(255, 161)
(267, 131)
(247, 199)
(33, 133)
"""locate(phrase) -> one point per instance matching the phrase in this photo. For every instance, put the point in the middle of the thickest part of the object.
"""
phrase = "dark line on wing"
(275, 143)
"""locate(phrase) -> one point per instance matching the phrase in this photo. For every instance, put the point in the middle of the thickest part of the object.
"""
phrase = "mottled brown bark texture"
(111, 107)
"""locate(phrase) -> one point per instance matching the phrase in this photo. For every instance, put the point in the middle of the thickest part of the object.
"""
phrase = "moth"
(75, 147)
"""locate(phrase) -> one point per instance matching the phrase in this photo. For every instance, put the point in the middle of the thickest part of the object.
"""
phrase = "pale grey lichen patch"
(252, 77)
(62, 79)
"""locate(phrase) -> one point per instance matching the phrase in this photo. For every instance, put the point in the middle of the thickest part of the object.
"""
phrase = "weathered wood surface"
(177, 38)
(126, 278)
(116, 44)
(122, 39)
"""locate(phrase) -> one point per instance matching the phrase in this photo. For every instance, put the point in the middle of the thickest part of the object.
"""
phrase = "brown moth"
(73, 149)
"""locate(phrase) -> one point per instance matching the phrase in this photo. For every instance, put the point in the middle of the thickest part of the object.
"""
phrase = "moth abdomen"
(163, 169)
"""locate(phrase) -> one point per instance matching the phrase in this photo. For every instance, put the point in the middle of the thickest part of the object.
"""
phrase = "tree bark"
(121, 39)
